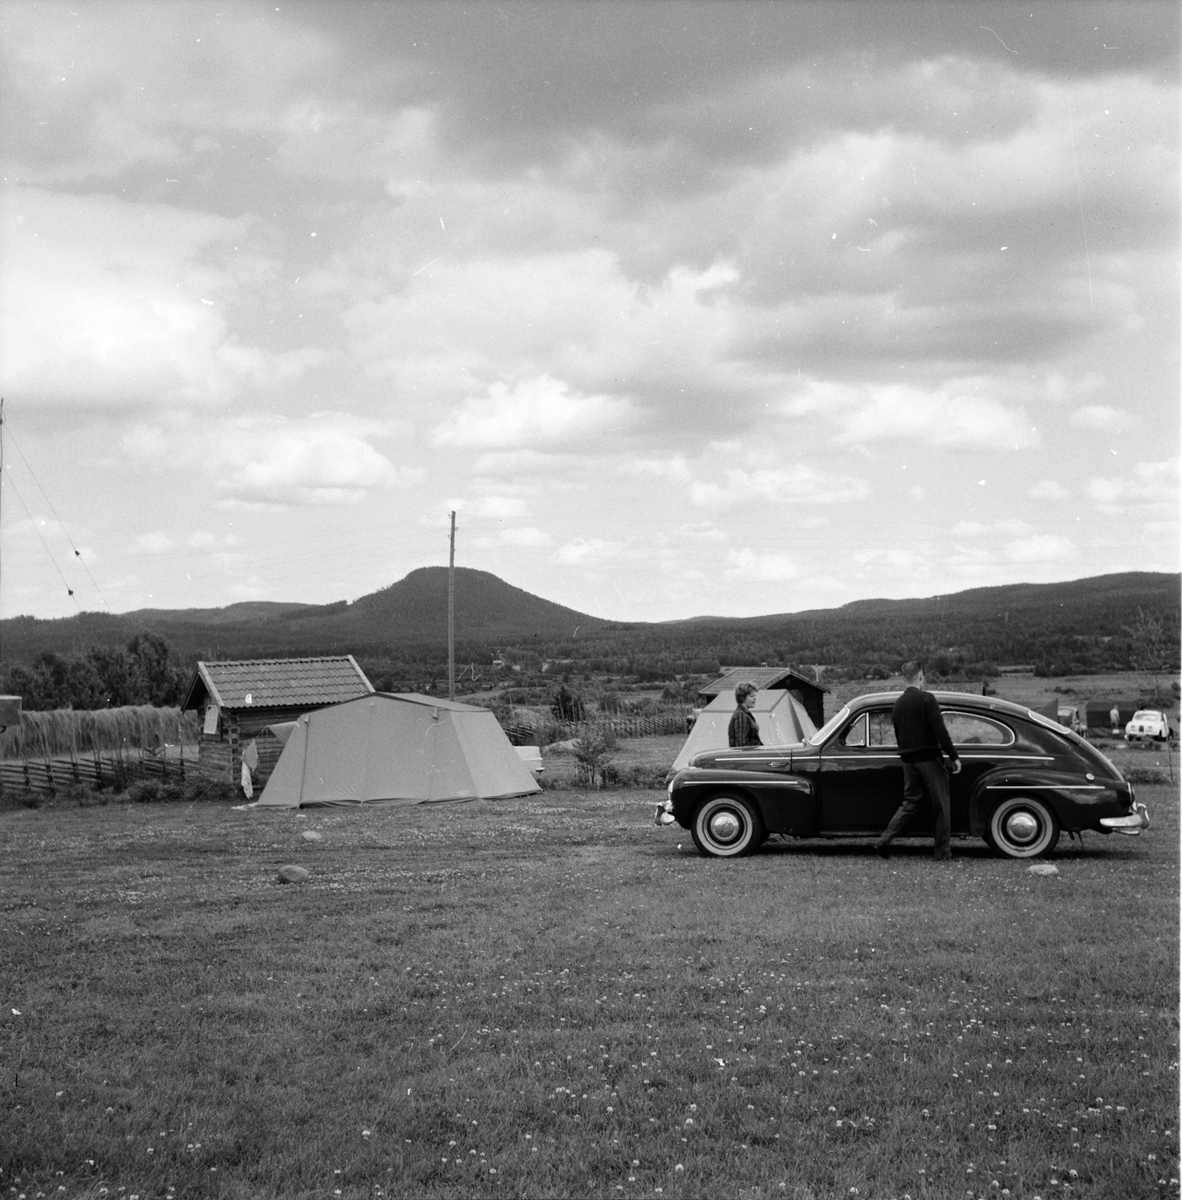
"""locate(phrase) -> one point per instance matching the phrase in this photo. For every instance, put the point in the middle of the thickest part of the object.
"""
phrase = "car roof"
(983, 704)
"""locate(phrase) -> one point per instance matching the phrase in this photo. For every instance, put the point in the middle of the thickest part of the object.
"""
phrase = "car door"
(861, 776)
(979, 742)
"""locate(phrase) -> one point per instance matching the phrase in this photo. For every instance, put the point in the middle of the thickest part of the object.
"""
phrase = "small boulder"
(1043, 869)
(310, 835)
(293, 874)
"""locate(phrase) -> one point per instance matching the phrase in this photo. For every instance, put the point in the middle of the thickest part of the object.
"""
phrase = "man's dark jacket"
(919, 727)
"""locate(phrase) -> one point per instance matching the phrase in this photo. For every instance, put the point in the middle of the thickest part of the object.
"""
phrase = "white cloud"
(326, 460)
(675, 469)
(1100, 417)
(588, 552)
(1151, 483)
(496, 508)
(524, 535)
(747, 564)
(105, 301)
(1061, 389)
(156, 542)
(1041, 548)
(537, 411)
(1048, 489)
(790, 485)
(941, 417)
(1009, 528)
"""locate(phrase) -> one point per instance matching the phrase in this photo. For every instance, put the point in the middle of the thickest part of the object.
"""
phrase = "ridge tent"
(781, 718)
(388, 748)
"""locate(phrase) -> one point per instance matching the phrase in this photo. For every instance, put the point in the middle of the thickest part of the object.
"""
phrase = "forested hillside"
(399, 634)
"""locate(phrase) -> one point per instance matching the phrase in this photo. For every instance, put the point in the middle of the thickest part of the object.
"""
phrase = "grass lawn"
(552, 997)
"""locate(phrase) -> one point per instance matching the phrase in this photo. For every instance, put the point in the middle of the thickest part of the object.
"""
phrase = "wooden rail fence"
(48, 775)
(659, 724)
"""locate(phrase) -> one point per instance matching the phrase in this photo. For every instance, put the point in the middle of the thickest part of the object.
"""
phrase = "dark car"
(1024, 778)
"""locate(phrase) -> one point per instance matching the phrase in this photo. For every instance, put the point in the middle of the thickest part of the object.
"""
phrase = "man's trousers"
(924, 780)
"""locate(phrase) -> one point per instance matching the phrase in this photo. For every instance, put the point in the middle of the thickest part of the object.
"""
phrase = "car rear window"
(968, 729)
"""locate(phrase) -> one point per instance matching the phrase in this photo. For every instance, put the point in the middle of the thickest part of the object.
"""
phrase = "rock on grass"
(294, 874)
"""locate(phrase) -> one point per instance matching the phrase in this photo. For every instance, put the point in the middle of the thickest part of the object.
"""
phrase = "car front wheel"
(1023, 827)
(727, 827)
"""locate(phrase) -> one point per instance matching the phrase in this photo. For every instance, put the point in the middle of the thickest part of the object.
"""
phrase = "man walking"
(923, 740)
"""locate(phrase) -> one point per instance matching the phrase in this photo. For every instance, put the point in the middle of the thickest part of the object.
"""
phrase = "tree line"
(142, 672)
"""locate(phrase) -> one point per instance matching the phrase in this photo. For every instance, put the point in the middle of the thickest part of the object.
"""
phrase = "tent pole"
(451, 612)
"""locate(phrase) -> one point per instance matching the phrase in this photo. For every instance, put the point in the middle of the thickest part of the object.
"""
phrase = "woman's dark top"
(743, 729)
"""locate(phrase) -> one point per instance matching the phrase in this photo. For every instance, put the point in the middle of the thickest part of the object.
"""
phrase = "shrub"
(592, 753)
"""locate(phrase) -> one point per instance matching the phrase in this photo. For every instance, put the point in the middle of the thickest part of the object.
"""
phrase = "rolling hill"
(1080, 622)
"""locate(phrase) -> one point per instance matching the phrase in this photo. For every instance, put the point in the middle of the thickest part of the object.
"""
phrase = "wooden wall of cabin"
(219, 755)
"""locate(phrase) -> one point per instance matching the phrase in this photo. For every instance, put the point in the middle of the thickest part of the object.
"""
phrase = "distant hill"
(409, 614)
(1074, 625)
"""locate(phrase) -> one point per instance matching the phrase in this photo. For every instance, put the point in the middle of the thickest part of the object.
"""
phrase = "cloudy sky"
(684, 308)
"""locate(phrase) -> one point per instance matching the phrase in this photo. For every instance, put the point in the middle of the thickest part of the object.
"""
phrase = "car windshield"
(1146, 714)
(823, 733)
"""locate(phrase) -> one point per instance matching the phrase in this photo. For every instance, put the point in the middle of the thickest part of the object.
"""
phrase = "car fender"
(1069, 794)
(772, 792)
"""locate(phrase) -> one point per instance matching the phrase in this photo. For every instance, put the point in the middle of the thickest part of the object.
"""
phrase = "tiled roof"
(762, 677)
(277, 682)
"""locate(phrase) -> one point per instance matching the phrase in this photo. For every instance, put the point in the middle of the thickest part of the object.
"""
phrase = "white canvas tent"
(395, 749)
(781, 718)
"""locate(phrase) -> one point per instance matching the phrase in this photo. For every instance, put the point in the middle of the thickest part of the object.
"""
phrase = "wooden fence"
(47, 776)
(656, 725)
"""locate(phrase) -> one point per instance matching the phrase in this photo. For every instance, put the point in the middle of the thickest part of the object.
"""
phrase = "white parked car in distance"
(1147, 723)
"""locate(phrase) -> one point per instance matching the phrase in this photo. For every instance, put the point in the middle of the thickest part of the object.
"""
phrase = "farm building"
(810, 695)
(238, 701)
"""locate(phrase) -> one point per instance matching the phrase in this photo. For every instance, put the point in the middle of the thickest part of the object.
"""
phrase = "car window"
(855, 735)
(966, 729)
(882, 730)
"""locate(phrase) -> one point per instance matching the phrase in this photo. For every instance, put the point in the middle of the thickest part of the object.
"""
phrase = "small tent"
(781, 718)
(395, 749)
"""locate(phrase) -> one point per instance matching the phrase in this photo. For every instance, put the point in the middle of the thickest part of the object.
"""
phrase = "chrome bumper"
(664, 814)
(1131, 825)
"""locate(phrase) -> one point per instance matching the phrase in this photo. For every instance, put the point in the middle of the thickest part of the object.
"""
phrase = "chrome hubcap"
(724, 826)
(1021, 827)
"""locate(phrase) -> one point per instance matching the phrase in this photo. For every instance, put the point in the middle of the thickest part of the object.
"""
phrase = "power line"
(61, 523)
(44, 543)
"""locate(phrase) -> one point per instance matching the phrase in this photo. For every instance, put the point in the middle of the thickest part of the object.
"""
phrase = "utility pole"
(451, 612)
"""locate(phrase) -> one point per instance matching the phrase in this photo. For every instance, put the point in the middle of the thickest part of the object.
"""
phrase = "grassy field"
(552, 997)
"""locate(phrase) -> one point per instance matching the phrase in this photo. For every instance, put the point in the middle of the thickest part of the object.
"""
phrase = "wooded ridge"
(400, 632)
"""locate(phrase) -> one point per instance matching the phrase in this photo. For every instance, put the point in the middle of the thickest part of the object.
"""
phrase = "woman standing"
(744, 729)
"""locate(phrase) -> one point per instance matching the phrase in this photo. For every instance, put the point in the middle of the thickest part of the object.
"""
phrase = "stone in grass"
(1043, 869)
(293, 874)
(310, 835)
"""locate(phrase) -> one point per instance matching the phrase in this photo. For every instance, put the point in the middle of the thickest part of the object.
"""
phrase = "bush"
(593, 753)
(152, 791)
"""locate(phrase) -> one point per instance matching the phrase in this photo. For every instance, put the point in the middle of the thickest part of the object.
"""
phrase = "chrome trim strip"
(1045, 787)
(792, 783)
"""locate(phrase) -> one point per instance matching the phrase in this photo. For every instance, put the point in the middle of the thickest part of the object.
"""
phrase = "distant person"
(1114, 717)
(744, 729)
(923, 742)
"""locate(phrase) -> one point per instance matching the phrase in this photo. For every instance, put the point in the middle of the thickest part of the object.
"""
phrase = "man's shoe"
(881, 850)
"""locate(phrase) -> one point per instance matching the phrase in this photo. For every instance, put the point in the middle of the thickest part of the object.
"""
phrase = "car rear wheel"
(727, 827)
(1023, 827)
